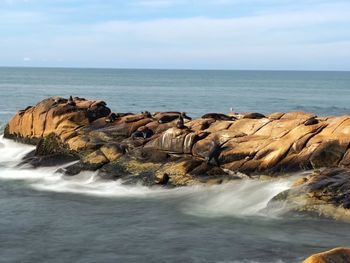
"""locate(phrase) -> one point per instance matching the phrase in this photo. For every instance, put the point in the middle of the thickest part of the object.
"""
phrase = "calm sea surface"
(47, 218)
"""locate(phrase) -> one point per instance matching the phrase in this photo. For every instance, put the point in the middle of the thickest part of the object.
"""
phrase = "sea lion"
(134, 118)
(253, 115)
(57, 101)
(112, 117)
(98, 104)
(183, 114)
(180, 123)
(311, 121)
(60, 100)
(137, 134)
(143, 132)
(147, 133)
(78, 98)
(214, 153)
(71, 101)
(216, 149)
(164, 180)
(218, 117)
(146, 114)
(167, 118)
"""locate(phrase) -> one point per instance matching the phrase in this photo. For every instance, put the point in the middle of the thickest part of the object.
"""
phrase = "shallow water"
(45, 217)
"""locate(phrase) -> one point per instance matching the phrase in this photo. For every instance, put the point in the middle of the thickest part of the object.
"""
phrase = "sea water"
(45, 217)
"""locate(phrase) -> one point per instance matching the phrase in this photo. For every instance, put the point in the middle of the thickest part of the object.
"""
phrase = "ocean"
(45, 217)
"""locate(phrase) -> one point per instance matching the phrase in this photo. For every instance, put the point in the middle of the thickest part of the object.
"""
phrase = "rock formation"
(170, 148)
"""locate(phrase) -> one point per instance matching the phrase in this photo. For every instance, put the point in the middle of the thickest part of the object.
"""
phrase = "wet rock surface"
(325, 192)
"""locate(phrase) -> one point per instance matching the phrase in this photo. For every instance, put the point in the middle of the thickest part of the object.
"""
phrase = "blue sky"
(203, 34)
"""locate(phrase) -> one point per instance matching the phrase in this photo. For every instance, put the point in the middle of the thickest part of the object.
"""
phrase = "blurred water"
(48, 218)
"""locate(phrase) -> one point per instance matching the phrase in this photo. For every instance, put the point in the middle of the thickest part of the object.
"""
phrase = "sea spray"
(12, 152)
(237, 198)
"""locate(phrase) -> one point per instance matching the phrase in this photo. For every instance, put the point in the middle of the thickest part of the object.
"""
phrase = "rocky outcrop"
(325, 192)
(337, 255)
(215, 147)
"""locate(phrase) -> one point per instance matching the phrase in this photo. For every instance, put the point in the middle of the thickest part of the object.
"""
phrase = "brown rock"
(336, 255)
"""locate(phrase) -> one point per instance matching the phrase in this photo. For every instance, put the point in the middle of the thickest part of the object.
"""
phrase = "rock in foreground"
(337, 255)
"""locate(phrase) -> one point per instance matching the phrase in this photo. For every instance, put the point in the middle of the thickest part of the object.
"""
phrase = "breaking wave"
(237, 198)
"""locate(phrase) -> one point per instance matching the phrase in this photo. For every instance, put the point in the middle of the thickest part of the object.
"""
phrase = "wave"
(12, 152)
(237, 198)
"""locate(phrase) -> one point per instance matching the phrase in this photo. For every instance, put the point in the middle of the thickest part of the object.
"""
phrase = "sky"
(180, 34)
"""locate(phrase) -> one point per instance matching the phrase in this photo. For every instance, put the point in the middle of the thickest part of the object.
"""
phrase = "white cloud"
(263, 29)
(315, 37)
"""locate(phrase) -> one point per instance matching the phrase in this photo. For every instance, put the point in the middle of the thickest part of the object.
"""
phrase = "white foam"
(12, 152)
(237, 198)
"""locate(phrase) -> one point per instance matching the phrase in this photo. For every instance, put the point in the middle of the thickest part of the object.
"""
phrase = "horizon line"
(174, 69)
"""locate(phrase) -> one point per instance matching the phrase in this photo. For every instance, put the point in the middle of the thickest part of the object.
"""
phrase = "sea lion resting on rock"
(80, 99)
(164, 180)
(60, 101)
(142, 132)
(167, 118)
(71, 101)
(253, 115)
(218, 117)
(98, 104)
(184, 115)
(216, 148)
(173, 116)
(146, 114)
(180, 123)
(112, 117)
(311, 121)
